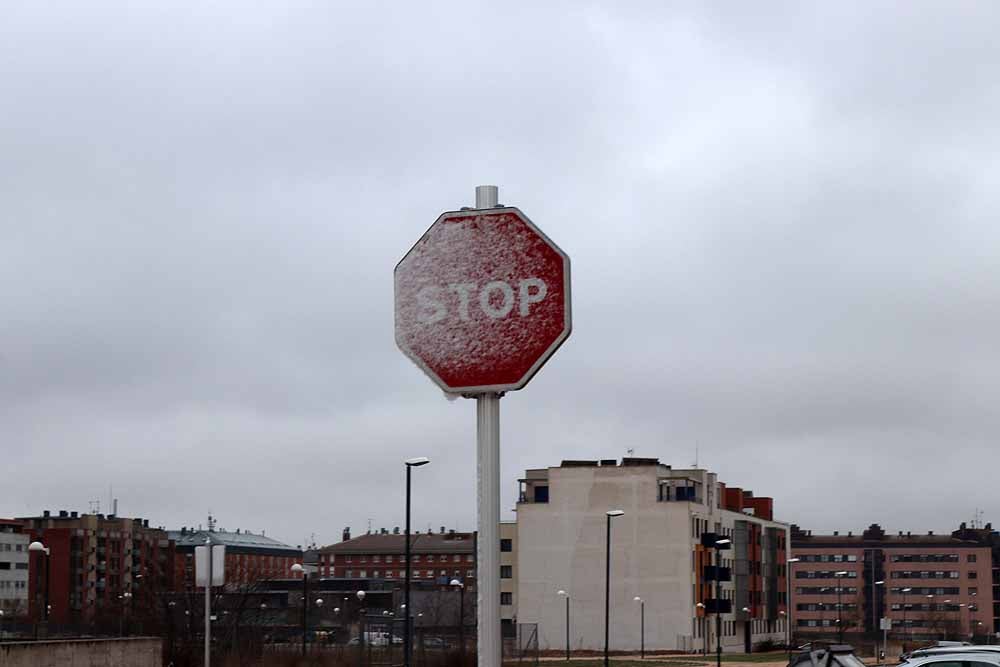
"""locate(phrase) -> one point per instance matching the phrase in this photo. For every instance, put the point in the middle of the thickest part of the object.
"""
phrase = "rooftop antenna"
(211, 522)
(95, 506)
(369, 525)
(696, 454)
(630, 452)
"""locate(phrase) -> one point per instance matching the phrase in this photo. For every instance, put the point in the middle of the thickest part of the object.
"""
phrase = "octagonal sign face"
(482, 300)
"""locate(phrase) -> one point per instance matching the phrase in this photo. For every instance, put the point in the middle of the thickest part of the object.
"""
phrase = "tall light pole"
(788, 604)
(704, 634)
(297, 568)
(461, 619)
(880, 582)
(361, 627)
(720, 545)
(840, 621)
(906, 630)
(607, 587)
(642, 627)
(410, 465)
(566, 595)
(38, 547)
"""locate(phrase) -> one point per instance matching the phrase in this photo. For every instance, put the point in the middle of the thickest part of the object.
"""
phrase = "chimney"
(73, 515)
(836, 532)
(442, 530)
(930, 532)
(850, 534)
(63, 514)
(346, 534)
(395, 530)
(908, 533)
(46, 514)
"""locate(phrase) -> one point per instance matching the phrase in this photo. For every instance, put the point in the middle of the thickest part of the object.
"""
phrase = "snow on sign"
(482, 300)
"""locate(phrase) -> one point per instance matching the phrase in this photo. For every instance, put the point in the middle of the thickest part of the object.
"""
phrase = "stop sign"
(482, 300)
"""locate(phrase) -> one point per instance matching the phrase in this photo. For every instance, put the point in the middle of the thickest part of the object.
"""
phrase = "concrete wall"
(131, 652)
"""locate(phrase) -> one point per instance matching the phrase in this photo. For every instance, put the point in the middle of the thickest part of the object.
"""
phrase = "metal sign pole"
(208, 604)
(488, 505)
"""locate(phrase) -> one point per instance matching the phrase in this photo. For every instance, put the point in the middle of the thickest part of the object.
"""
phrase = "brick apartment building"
(656, 554)
(250, 558)
(931, 586)
(437, 558)
(93, 561)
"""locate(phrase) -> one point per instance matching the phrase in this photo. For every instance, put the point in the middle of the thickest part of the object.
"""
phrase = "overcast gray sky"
(781, 216)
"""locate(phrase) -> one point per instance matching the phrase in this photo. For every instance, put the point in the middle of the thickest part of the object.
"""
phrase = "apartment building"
(93, 561)
(13, 568)
(250, 558)
(656, 554)
(436, 558)
(930, 586)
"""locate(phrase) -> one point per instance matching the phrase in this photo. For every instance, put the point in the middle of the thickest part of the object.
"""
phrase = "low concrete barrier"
(125, 652)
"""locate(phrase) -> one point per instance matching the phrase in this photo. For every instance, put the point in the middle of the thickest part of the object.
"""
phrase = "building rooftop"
(390, 543)
(240, 540)
(874, 535)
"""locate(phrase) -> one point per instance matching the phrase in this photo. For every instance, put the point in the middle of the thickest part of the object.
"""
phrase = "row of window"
(828, 558)
(930, 558)
(15, 585)
(927, 590)
(826, 590)
(17, 547)
(823, 574)
(415, 558)
(401, 574)
(930, 607)
(6, 565)
(927, 574)
(823, 606)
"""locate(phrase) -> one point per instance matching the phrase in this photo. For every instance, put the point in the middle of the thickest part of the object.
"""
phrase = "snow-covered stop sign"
(482, 300)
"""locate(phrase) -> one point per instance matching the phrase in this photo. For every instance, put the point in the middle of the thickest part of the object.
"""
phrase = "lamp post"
(906, 629)
(410, 465)
(642, 627)
(124, 597)
(361, 627)
(720, 545)
(1, 625)
(880, 582)
(704, 635)
(840, 621)
(297, 568)
(461, 619)
(788, 604)
(566, 595)
(607, 586)
(319, 611)
(40, 548)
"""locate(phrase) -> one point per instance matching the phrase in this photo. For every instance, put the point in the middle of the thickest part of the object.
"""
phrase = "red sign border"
(542, 358)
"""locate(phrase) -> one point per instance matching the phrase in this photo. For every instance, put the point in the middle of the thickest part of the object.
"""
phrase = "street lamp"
(461, 618)
(840, 623)
(38, 547)
(720, 545)
(297, 568)
(410, 465)
(607, 586)
(124, 597)
(704, 634)
(885, 633)
(361, 626)
(906, 629)
(566, 595)
(642, 626)
(788, 604)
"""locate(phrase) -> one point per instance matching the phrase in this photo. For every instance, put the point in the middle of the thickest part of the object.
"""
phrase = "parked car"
(958, 656)
(827, 655)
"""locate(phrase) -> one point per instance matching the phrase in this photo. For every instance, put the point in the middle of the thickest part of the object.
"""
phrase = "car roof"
(959, 655)
(943, 650)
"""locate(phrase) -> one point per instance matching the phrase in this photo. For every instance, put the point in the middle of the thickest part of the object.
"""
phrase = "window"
(20, 566)
(363, 574)
(376, 559)
(416, 559)
(456, 558)
(388, 559)
(506, 545)
(4, 566)
(541, 494)
(470, 573)
(507, 599)
(402, 574)
(973, 574)
(973, 590)
(349, 573)
(469, 558)
(347, 559)
(971, 558)
(506, 572)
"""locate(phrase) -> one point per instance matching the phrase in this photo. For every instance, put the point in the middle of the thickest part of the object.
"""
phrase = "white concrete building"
(13, 569)
(656, 554)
